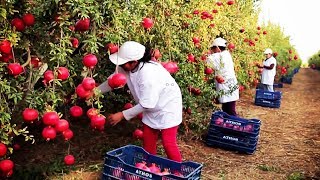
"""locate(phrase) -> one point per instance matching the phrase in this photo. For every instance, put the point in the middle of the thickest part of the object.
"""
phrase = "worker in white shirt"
(269, 70)
(225, 77)
(157, 96)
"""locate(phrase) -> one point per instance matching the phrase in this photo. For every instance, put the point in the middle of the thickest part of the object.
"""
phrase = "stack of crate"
(233, 133)
(268, 99)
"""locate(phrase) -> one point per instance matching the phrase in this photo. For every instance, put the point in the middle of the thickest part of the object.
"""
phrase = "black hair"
(147, 55)
(222, 48)
(145, 59)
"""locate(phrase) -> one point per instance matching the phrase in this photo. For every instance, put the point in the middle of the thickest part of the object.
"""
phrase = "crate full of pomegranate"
(233, 133)
(134, 163)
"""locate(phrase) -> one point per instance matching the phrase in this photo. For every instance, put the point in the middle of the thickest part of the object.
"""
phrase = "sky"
(300, 21)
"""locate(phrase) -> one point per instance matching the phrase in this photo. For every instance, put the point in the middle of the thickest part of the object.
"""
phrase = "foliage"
(314, 60)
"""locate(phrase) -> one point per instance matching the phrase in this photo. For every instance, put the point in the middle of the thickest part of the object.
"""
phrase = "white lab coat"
(156, 93)
(223, 64)
(267, 76)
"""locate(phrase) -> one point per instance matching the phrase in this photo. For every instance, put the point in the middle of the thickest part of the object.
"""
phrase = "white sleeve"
(210, 61)
(104, 87)
(133, 112)
(274, 61)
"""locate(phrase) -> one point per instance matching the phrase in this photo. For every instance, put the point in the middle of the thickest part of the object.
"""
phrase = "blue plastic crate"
(267, 95)
(268, 103)
(232, 147)
(231, 142)
(120, 164)
(233, 139)
(275, 85)
(278, 85)
(221, 119)
(287, 80)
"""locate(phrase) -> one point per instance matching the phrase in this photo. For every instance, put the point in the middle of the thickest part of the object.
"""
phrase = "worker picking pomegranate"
(156, 93)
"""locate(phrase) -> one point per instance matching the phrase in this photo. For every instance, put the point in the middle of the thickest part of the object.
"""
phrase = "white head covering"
(219, 42)
(129, 51)
(268, 51)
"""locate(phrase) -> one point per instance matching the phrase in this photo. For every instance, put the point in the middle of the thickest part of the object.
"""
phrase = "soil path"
(289, 143)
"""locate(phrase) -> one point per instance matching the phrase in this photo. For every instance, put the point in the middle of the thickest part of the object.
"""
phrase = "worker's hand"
(115, 118)
(259, 66)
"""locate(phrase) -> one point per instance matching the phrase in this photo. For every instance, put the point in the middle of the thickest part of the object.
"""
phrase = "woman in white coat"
(269, 71)
(157, 96)
(225, 77)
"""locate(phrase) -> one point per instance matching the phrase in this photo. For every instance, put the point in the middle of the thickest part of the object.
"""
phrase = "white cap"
(219, 42)
(129, 51)
(268, 51)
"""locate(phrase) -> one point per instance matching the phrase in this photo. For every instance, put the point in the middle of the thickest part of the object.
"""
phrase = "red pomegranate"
(3, 149)
(138, 134)
(147, 23)
(50, 118)
(90, 60)
(171, 67)
(219, 3)
(112, 48)
(88, 83)
(63, 73)
(67, 134)
(69, 160)
(49, 133)
(230, 2)
(5, 47)
(81, 92)
(74, 42)
(6, 166)
(140, 116)
(15, 69)
(219, 121)
(98, 121)
(35, 61)
(127, 106)
(117, 80)
(16, 147)
(92, 112)
(82, 25)
(48, 76)
(61, 125)
(231, 46)
(76, 111)
(191, 58)
(208, 70)
(118, 172)
(30, 115)
(196, 40)
(18, 24)
(28, 19)
(6, 57)
(141, 165)
(154, 168)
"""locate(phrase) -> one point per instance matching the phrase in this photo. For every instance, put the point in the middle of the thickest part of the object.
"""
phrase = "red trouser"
(169, 141)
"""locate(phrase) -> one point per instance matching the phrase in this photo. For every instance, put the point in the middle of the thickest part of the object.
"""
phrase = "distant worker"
(269, 71)
(225, 76)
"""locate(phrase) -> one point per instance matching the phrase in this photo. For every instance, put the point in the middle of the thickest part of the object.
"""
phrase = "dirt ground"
(288, 147)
